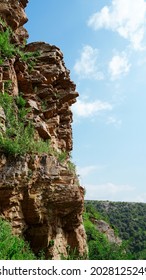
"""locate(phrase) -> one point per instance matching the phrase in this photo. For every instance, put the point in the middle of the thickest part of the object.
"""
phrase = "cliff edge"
(39, 190)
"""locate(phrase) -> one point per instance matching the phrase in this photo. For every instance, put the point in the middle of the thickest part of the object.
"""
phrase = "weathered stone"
(42, 197)
(2, 120)
(45, 92)
(33, 104)
(39, 195)
(42, 130)
(9, 74)
(105, 228)
(13, 13)
(51, 112)
(68, 97)
(2, 114)
(24, 3)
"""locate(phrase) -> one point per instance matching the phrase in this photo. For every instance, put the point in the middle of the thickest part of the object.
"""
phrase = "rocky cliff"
(39, 191)
(105, 228)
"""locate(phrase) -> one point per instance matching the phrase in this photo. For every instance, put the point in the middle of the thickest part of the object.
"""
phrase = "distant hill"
(128, 220)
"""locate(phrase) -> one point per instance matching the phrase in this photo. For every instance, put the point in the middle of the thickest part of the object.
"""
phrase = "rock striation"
(105, 228)
(39, 194)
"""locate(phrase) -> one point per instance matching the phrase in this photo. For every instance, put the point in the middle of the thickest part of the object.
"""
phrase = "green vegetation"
(130, 221)
(71, 167)
(99, 246)
(9, 50)
(2, 23)
(51, 243)
(7, 85)
(44, 104)
(72, 254)
(19, 139)
(13, 247)
(62, 156)
(28, 57)
(19, 136)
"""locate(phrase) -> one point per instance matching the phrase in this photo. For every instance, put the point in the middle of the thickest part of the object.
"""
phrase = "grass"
(9, 50)
(62, 156)
(19, 136)
(13, 247)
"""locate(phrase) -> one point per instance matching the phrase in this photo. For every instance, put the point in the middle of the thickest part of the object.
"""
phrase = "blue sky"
(104, 46)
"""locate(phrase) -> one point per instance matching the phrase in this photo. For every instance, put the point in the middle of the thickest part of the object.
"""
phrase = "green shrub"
(3, 23)
(130, 220)
(7, 85)
(44, 104)
(1, 61)
(73, 254)
(62, 156)
(7, 49)
(19, 136)
(28, 57)
(20, 101)
(71, 167)
(13, 247)
(99, 246)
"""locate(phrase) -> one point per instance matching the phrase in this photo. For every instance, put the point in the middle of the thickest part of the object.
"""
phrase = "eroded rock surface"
(12, 12)
(39, 195)
(105, 228)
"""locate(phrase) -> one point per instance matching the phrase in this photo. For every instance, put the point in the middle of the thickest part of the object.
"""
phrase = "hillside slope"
(103, 240)
(130, 221)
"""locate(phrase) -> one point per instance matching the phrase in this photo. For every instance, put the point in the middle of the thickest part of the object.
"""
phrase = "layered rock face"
(12, 12)
(39, 194)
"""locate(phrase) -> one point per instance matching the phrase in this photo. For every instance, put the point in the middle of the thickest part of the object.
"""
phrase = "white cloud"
(127, 17)
(141, 198)
(114, 121)
(87, 66)
(109, 191)
(119, 66)
(87, 170)
(88, 109)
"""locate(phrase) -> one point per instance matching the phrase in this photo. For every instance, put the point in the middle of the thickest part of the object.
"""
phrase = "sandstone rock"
(13, 13)
(24, 3)
(105, 228)
(9, 74)
(39, 195)
(2, 120)
(2, 114)
(40, 207)
(33, 104)
(42, 130)
(50, 112)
